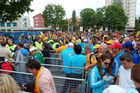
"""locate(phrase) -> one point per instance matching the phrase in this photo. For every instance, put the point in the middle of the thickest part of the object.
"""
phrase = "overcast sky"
(69, 6)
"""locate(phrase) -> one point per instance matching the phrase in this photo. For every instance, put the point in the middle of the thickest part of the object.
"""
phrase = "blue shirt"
(77, 60)
(116, 64)
(135, 57)
(65, 56)
(96, 81)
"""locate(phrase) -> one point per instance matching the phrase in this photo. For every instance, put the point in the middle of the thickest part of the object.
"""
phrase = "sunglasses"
(122, 59)
(106, 63)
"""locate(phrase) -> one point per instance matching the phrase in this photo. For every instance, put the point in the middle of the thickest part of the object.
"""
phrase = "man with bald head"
(125, 39)
(105, 50)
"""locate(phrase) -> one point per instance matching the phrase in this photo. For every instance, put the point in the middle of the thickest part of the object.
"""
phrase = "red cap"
(115, 45)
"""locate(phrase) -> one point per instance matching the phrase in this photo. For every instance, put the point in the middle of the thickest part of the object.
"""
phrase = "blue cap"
(127, 44)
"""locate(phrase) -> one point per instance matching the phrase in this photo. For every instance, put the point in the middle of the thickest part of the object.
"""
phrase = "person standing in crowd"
(65, 56)
(125, 39)
(1, 39)
(132, 39)
(77, 60)
(38, 44)
(100, 74)
(105, 50)
(37, 55)
(114, 38)
(4, 51)
(44, 82)
(135, 76)
(116, 48)
(124, 76)
(128, 48)
(8, 84)
(28, 45)
(91, 59)
(97, 49)
(21, 55)
(11, 45)
(137, 49)
(46, 52)
(61, 48)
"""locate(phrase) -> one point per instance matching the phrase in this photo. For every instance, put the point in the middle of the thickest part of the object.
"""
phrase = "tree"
(74, 20)
(100, 18)
(137, 24)
(116, 18)
(53, 14)
(87, 18)
(10, 10)
(64, 24)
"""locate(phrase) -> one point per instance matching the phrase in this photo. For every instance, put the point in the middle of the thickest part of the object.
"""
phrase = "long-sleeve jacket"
(116, 64)
(96, 81)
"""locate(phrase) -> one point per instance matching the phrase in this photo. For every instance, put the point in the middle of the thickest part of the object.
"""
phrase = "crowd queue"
(111, 60)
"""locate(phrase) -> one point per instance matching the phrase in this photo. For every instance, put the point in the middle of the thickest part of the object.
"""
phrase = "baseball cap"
(85, 40)
(115, 45)
(96, 46)
(110, 42)
(32, 49)
(127, 44)
(70, 44)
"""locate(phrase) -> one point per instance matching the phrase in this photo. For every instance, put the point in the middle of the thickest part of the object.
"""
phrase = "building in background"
(129, 7)
(22, 23)
(38, 21)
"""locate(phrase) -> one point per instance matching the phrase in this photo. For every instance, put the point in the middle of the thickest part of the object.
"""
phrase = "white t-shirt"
(125, 78)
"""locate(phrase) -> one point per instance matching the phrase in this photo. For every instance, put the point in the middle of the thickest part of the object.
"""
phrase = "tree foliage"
(137, 24)
(87, 18)
(10, 10)
(64, 25)
(116, 18)
(74, 20)
(53, 14)
(100, 18)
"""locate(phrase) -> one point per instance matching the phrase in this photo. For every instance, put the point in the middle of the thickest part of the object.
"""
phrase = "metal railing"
(60, 78)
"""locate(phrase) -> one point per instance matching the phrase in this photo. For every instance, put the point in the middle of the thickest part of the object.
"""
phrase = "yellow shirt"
(60, 49)
(92, 60)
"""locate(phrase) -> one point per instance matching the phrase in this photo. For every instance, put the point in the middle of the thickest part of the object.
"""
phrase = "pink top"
(46, 82)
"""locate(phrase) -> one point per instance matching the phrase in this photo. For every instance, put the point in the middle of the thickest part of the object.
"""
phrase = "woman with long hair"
(8, 84)
(100, 74)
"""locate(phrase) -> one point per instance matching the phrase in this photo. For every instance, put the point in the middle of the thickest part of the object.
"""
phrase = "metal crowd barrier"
(73, 84)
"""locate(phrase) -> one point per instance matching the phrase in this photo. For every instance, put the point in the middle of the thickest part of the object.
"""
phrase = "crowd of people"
(109, 58)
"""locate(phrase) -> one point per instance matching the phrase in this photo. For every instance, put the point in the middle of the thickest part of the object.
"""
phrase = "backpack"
(6, 66)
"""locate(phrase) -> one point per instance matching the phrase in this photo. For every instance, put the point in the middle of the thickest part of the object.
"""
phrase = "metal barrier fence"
(79, 85)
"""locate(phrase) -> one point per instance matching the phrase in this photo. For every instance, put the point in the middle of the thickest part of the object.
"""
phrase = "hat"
(115, 89)
(96, 46)
(110, 42)
(32, 49)
(85, 40)
(115, 45)
(127, 44)
(70, 44)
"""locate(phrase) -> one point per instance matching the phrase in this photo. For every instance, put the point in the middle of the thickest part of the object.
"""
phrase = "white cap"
(114, 89)
(70, 44)
(32, 49)
(85, 40)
